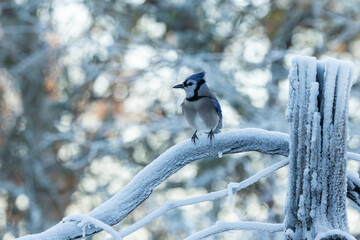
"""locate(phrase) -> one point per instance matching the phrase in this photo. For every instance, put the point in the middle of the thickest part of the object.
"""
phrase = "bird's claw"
(194, 137)
(211, 135)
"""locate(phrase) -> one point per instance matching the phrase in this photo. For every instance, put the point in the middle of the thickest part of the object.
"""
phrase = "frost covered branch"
(353, 186)
(85, 221)
(353, 156)
(233, 187)
(140, 187)
(221, 226)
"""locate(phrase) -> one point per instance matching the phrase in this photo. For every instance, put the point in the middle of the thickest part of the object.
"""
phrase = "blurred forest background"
(86, 101)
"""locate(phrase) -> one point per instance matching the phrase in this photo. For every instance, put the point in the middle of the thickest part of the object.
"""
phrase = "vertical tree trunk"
(317, 112)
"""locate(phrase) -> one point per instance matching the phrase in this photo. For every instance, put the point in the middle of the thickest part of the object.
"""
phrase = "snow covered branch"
(84, 221)
(140, 187)
(221, 226)
(234, 187)
(353, 186)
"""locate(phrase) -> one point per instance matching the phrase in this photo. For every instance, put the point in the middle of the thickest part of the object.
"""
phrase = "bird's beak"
(179, 86)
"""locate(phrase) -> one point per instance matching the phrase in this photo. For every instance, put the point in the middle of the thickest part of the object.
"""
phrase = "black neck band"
(194, 98)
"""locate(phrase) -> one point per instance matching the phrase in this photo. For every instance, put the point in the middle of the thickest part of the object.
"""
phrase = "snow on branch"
(353, 156)
(140, 187)
(85, 221)
(171, 204)
(221, 226)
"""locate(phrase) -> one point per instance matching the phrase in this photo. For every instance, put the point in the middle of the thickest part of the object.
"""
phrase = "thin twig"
(221, 226)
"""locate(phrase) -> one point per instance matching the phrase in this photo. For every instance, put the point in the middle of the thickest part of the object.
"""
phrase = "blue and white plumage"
(201, 108)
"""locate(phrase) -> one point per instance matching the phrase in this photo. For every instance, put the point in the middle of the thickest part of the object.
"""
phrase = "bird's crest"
(197, 76)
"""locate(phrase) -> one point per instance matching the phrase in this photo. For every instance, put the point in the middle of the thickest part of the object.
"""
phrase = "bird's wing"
(219, 112)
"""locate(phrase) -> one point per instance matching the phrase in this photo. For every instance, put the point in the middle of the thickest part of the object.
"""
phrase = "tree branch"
(140, 187)
(221, 226)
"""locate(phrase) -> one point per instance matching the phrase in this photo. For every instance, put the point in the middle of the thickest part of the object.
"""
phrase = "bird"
(200, 107)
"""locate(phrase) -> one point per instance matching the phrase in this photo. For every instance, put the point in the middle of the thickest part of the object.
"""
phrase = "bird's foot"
(211, 135)
(194, 137)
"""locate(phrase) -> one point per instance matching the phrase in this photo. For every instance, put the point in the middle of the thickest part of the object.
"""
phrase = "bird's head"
(192, 84)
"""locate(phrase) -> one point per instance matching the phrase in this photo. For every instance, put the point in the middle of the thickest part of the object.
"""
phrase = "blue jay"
(201, 108)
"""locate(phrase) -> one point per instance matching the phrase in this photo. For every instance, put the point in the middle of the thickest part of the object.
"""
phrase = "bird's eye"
(190, 84)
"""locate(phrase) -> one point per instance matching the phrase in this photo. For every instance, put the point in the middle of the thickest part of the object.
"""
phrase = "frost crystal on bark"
(317, 113)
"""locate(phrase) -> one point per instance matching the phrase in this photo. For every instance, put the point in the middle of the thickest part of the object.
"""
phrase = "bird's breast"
(200, 124)
(200, 115)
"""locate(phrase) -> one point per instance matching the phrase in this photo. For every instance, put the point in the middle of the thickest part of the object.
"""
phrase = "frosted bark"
(317, 113)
